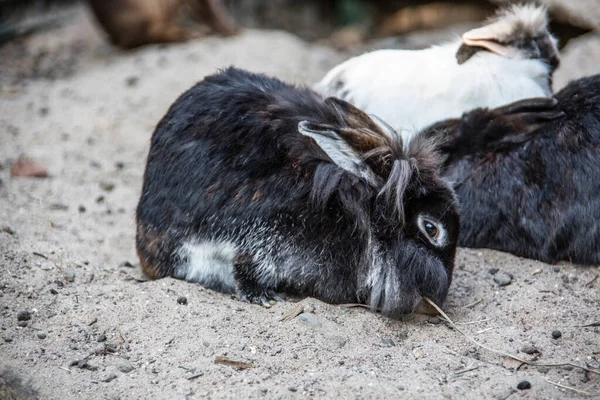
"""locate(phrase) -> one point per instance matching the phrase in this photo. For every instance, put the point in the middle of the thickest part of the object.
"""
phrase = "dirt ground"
(98, 330)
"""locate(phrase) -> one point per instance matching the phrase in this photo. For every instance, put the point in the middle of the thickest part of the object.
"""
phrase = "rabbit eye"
(433, 230)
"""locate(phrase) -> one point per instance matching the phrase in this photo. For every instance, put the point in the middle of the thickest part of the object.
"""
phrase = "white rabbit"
(509, 59)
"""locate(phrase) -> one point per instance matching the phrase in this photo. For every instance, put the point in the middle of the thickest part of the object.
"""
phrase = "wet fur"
(536, 193)
(228, 167)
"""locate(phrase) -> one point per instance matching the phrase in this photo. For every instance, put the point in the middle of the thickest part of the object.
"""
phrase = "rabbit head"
(411, 219)
(518, 31)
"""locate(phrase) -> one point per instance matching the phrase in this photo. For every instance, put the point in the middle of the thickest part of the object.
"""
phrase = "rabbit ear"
(355, 117)
(520, 30)
(337, 149)
(489, 37)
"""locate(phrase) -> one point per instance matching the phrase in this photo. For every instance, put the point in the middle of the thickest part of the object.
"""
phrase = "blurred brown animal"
(133, 23)
(431, 16)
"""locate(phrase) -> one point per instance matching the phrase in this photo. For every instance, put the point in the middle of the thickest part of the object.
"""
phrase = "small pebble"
(309, 308)
(182, 300)
(107, 186)
(8, 229)
(125, 367)
(502, 279)
(402, 335)
(23, 316)
(528, 349)
(556, 334)
(7, 339)
(83, 363)
(126, 264)
(69, 275)
(28, 169)
(109, 377)
(292, 389)
(110, 347)
(555, 268)
(524, 385)
(53, 291)
(132, 81)
(387, 343)
(588, 342)
(22, 324)
(101, 338)
(493, 271)
(81, 208)
(58, 207)
(543, 370)
(41, 335)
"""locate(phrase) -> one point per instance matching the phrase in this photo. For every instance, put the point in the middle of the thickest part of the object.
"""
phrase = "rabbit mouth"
(398, 285)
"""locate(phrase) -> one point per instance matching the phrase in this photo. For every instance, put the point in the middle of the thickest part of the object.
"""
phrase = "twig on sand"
(462, 371)
(352, 305)
(474, 303)
(474, 322)
(121, 336)
(590, 325)
(198, 375)
(293, 313)
(45, 257)
(502, 353)
(35, 253)
(232, 363)
(590, 283)
(573, 389)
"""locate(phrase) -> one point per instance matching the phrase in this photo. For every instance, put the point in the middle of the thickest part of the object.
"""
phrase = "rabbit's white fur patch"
(208, 262)
(411, 90)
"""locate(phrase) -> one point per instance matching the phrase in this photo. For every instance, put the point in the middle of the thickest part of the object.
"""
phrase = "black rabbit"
(254, 186)
(527, 175)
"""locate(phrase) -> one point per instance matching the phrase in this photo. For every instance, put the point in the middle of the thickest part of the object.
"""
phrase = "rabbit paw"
(261, 297)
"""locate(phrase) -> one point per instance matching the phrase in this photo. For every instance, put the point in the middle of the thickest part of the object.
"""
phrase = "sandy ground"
(98, 330)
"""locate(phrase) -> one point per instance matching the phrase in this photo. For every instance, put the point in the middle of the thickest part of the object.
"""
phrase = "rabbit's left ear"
(330, 140)
(372, 134)
(491, 37)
